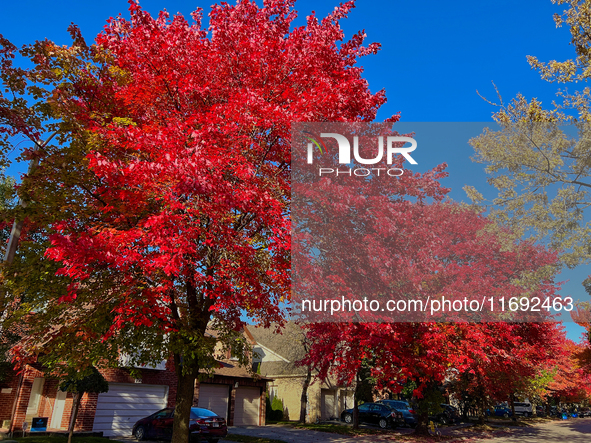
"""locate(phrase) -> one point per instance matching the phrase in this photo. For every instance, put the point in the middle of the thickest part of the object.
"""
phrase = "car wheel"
(348, 418)
(505, 415)
(383, 423)
(526, 414)
(140, 433)
(443, 420)
(413, 425)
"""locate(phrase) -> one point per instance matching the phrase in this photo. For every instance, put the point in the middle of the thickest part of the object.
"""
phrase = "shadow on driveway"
(290, 434)
(576, 430)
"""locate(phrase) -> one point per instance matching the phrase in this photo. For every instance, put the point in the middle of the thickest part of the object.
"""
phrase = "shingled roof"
(287, 345)
(233, 369)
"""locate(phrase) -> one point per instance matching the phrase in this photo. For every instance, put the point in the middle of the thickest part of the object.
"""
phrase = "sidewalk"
(288, 434)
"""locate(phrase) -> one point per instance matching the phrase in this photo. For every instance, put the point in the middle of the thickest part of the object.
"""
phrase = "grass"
(251, 439)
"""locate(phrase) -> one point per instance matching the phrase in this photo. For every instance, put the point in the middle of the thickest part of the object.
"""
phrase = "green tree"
(7, 337)
(79, 384)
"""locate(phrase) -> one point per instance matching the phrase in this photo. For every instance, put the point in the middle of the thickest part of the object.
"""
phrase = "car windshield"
(200, 412)
(396, 404)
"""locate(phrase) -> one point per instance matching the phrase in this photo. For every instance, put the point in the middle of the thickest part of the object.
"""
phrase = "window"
(36, 391)
(165, 413)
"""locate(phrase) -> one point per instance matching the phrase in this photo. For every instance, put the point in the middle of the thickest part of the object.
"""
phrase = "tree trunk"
(75, 408)
(481, 417)
(514, 417)
(184, 401)
(304, 397)
(187, 370)
(422, 423)
(355, 402)
(481, 407)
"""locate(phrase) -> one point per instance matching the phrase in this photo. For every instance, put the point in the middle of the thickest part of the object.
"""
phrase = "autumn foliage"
(445, 249)
(163, 203)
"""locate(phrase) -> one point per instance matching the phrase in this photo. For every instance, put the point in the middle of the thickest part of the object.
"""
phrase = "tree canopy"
(161, 204)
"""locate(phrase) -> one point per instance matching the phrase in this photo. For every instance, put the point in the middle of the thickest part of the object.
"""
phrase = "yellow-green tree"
(539, 159)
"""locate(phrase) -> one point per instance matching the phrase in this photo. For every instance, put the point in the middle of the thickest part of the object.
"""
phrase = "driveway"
(576, 430)
(286, 433)
(290, 434)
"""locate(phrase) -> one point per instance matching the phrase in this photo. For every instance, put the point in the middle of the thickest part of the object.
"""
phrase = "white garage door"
(124, 404)
(246, 409)
(327, 404)
(214, 398)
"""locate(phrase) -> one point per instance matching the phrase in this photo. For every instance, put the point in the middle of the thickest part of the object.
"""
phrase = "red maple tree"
(442, 249)
(165, 200)
(571, 381)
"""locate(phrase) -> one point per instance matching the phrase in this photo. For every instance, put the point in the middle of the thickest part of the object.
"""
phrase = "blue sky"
(435, 56)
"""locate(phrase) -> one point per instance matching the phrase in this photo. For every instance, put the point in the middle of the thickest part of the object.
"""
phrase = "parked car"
(404, 408)
(447, 416)
(540, 411)
(523, 408)
(375, 414)
(204, 425)
(503, 411)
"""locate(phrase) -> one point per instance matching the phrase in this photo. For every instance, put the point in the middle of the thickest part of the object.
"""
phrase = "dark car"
(404, 408)
(503, 411)
(448, 415)
(375, 414)
(204, 425)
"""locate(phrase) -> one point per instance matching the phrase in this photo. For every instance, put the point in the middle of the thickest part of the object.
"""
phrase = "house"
(277, 356)
(233, 392)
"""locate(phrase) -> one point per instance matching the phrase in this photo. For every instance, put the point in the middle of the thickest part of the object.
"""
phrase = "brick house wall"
(88, 405)
(23, 395)
(8, 391)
